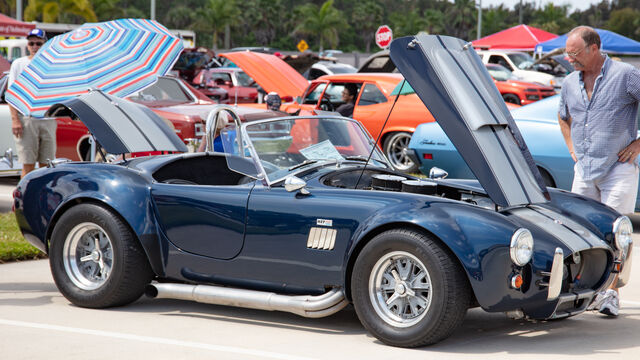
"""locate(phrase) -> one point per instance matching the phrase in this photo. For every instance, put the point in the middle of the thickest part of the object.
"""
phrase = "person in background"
(597, 117)
(349, 97)
(35, 138)
(273, 101)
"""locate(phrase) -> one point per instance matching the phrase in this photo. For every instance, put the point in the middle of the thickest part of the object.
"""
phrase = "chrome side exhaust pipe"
(305, 305)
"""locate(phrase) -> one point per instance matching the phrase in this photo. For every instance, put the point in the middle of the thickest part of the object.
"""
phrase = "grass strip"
(13, 247)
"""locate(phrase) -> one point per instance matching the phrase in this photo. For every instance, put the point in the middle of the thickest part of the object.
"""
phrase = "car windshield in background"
(289, 145)
(521, 60)
(244, 79)
(500, 73)
(165, 89)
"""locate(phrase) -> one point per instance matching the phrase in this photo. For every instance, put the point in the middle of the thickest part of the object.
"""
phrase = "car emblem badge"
(324, 222)
(321, 238)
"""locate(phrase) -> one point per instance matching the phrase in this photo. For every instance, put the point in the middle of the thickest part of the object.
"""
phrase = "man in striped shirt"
(597, 116)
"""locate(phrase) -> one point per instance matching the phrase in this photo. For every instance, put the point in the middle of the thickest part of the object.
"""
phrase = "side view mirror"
(294, 183)
(8, 158)
(437, 173)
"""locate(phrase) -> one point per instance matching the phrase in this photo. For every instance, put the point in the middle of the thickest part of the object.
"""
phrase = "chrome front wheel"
(400, 289)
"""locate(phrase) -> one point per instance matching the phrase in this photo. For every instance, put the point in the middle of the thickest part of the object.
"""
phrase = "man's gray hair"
(588, 35)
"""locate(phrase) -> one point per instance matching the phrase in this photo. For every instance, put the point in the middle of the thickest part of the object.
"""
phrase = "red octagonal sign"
(384, 35)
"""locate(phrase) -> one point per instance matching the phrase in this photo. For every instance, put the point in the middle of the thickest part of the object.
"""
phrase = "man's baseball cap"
(39, 33)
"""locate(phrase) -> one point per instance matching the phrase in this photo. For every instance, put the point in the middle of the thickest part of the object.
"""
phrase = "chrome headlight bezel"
(521, 247)
(622, 232)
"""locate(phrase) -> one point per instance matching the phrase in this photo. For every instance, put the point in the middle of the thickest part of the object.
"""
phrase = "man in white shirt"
(35, 138)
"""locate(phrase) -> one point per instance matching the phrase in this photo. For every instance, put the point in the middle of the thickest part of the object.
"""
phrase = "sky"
(575, 4)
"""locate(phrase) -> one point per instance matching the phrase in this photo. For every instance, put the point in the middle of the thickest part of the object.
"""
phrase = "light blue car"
(538, 123)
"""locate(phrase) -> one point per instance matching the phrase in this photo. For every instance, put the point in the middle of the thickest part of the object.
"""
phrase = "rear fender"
(123, 191)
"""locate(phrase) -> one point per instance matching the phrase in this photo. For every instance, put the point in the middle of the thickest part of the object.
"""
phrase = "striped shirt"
(606, 124)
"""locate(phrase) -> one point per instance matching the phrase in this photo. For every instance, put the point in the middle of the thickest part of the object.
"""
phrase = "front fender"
(478, 238)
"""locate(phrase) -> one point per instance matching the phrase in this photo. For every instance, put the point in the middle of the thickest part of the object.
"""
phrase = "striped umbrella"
(118, 57)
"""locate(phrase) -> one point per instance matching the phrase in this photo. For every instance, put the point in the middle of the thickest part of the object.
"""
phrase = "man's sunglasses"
(35, 43)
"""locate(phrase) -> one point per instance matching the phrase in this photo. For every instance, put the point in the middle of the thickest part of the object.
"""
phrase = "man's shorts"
(38, 140)
(617, 189)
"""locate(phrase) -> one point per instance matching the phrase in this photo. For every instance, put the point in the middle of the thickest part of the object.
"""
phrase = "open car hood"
(120, 126)
(455, 86)
(270, 72)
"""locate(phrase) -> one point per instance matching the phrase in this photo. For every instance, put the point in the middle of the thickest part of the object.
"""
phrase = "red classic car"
(238, 86)
(515, 91)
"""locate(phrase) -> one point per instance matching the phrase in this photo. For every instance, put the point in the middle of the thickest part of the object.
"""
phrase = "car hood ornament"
(456, 88)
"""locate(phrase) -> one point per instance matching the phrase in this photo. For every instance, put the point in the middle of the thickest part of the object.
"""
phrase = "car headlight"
(622, 229)
(521, 248)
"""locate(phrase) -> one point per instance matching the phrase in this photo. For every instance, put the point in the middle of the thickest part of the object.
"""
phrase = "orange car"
(515, 91)
(374, 100)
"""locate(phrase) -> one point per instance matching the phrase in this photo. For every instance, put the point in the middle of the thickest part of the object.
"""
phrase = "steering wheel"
(326, 104)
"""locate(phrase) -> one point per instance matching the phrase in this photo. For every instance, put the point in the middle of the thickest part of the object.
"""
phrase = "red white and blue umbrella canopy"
(118, 57)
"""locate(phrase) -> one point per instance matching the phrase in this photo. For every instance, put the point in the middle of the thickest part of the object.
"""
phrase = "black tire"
(394, 146)
(440, 309)
(511, 98)
(114, 273)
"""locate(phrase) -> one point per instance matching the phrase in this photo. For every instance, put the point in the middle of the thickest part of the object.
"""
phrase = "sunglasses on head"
(35, 43)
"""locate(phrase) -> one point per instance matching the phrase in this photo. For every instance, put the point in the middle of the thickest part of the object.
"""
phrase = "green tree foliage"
(324, 22)
(215, 17)
(625, 22)
(461, 19)
(351, 24)
(63, 11)
(107, 10)
(366, 18)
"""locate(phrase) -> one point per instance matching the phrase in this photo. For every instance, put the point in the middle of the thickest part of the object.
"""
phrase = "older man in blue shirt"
(597, 116)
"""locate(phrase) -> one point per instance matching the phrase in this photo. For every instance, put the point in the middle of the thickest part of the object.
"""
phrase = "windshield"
(521, 60)
(500, 73)
(286, 146)
(245, 80)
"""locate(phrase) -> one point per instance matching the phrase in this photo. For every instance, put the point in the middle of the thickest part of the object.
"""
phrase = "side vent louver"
(321, 238)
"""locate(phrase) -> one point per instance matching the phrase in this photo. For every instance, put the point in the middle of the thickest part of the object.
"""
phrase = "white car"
(322, 68)
(9, 165)
(517, 61)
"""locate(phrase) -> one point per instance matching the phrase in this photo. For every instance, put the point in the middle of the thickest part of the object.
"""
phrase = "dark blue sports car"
(304, 214)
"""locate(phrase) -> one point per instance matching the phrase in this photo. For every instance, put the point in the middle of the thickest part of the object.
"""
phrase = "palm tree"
(107, 9)
(217, 16)
(60, 11)
(367, 16)
(461, 18)
(324, 22)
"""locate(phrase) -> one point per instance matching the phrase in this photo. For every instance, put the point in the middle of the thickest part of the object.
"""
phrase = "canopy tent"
(521, 37)
(12, 27)
(610, 43)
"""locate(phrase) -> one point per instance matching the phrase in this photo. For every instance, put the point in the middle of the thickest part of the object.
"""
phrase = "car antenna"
(380, 133)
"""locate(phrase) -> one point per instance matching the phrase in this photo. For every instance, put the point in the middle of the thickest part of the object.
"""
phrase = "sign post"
(302, 46)
(384, 36)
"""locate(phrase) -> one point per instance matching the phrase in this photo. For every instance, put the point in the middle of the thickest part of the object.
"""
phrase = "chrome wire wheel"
(88, 256)
(400, 289)
(395, 148)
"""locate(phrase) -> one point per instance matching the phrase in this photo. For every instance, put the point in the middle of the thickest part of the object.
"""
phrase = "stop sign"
(384, 35)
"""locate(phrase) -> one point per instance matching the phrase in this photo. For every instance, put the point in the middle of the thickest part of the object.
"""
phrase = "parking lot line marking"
(153, 340)
(629, 302)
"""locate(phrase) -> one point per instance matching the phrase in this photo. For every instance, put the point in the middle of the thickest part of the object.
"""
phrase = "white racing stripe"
(154, 340)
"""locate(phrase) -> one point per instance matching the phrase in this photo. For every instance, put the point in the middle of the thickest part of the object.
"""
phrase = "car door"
(206, 220)
(372, 108)
(300, 239)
